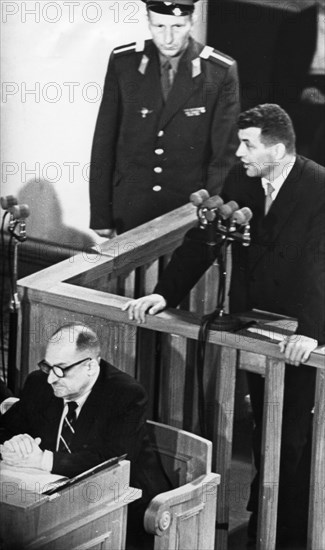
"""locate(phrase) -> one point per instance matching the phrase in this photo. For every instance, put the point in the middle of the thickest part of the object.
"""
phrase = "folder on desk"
(84, 475)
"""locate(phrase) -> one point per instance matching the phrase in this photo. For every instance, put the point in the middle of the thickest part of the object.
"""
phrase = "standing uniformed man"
(167, 123)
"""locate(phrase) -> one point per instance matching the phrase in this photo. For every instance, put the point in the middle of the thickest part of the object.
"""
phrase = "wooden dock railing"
(91, 288)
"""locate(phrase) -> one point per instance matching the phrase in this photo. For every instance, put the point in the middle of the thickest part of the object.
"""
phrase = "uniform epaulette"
(210, 53)
(129, 48)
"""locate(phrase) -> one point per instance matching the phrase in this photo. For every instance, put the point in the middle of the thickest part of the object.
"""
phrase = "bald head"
(77, 336)
(74, 348)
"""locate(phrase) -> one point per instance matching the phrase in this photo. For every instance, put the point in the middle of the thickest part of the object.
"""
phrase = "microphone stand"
(14, 305)
(222, 233)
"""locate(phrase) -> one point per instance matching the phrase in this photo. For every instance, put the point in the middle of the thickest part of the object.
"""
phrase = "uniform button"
(161, 133)
(156, 188)
(158, 169)
(159, 151)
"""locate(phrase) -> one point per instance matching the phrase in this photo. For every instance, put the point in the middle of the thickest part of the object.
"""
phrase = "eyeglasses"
(58, 371)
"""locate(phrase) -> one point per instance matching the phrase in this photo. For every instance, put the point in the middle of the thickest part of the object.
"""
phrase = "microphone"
(18, 214)
(226, 210)
(199, 197)
(211, 206)
(19, 211)
(242, 216)
(226, 215)
(8, 201)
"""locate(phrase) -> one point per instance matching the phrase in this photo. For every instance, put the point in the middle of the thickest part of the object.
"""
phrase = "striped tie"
(67, 431)
(268, 198)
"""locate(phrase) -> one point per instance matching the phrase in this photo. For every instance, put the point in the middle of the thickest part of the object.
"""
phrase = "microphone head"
(242, 216)
(226, 210)
(199, 196)
(213, 203)
(210, 215)
(8, 201)
(247, 213)
(19, 211)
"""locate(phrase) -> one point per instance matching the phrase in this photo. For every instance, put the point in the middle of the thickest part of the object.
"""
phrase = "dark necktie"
(166, 78)
(268, 198)
(67, 431)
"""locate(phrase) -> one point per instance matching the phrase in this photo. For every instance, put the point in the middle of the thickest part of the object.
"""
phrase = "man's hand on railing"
(153, 303)
(297, 348)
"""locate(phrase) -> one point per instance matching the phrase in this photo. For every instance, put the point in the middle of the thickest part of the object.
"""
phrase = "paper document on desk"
(30, 479)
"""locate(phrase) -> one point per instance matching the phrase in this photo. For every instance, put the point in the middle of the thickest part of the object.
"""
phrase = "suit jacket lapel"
(51, 420)
(89, 411)
(269, 227)
(184, 85)
(285, 202)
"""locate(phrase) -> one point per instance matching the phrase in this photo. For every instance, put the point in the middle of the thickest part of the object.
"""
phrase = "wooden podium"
(90, 514)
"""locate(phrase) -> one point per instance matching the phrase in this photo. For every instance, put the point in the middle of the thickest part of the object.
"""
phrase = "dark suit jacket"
(283, 271)
(141, 143)
(112, 422)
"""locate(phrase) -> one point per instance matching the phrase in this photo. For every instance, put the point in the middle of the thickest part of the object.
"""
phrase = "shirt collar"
(174, 61)
(279, 181)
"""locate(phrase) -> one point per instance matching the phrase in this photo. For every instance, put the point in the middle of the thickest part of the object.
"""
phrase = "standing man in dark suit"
(109, 419)
(282, 271)
(166, 125)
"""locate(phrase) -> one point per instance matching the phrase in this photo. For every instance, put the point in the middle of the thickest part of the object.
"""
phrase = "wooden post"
(270, 454)
(222, 432)
(173, 369)
(316, 524)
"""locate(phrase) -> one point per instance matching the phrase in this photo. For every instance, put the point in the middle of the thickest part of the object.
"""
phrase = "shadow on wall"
(45, 222)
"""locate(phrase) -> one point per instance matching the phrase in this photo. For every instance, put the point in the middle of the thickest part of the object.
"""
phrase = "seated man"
(109, 420)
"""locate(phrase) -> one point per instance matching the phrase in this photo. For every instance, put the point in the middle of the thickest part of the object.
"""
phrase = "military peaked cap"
(179, 7)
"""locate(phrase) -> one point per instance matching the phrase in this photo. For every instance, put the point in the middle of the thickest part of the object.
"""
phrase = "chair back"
(184, 456)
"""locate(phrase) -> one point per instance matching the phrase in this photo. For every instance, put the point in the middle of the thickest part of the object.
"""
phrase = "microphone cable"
(2, 298)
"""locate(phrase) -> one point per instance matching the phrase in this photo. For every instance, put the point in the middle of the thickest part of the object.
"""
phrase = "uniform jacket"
(111, 422)
(283, 271)
(149, 156)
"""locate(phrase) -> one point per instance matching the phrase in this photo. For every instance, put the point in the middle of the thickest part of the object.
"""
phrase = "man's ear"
(280, 151)
(93, 366)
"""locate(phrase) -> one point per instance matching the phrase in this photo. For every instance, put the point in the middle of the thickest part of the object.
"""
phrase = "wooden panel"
(316, 524)
(270, 454)
(222, 415)
(172, 380)
(77, 515)
(147, 348)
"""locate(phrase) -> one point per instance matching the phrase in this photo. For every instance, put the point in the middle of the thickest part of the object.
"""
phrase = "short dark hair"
(83, 336)
(275, 123)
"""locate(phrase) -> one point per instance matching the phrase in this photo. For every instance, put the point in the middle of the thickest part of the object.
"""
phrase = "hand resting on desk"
(22, 451)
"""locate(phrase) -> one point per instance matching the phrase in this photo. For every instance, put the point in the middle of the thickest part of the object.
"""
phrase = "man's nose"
(169, 36)
(239, 152)
(51, 377)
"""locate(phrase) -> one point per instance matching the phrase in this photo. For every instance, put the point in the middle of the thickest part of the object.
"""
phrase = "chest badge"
(195, 111)
(145, 112)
